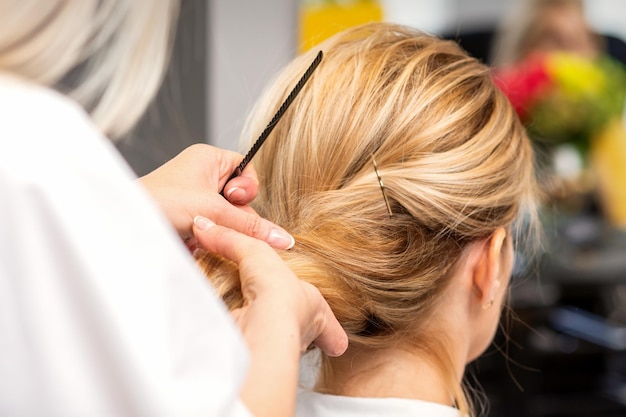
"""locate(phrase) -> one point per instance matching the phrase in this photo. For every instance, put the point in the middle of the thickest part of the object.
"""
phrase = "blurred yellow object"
(322, 19)
(608, 159)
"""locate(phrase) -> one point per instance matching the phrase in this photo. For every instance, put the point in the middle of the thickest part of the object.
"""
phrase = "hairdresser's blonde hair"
(121, 46)
(454, 160)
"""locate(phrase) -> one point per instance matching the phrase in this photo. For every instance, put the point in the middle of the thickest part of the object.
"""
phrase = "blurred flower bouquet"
(565, 98)
(574, 110)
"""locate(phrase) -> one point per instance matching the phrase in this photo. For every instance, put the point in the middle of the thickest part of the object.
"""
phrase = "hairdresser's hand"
(281, 317)
(189, 185)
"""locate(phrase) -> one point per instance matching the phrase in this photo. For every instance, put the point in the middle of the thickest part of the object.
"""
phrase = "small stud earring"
(488, 304)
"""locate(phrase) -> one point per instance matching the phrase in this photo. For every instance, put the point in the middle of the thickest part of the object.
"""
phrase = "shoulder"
(42, 130)
(35, 119)
(25, 102)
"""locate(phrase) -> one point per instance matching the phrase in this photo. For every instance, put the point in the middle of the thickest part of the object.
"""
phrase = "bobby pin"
(382, 186)
(281, 110)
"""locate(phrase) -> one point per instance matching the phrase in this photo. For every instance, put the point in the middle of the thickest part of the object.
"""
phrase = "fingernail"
(280, 239)
(203, 223)
(236, 194)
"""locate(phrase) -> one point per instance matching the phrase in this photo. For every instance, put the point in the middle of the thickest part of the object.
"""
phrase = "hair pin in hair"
(382, 186)
(279, 114)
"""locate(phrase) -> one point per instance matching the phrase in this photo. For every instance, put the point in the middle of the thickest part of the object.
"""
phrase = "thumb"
(261, 267)
(330, 337)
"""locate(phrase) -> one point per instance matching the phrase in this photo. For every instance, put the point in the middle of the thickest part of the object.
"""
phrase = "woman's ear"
(488, 269)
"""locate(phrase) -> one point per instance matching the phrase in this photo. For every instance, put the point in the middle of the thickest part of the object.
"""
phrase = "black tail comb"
(279, 114)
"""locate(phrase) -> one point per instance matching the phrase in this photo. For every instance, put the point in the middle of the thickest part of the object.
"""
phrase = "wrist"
(275, 346)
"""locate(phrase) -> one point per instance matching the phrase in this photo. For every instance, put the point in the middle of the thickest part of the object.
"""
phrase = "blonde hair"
(110, 54)
(454, 160)
(517, 33)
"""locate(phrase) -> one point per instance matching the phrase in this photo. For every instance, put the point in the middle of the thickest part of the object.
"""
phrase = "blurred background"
(227, 50)
(561, 350)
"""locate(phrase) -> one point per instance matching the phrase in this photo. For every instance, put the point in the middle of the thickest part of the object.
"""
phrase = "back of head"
(110, 54)
(454, 164)
(452, 155)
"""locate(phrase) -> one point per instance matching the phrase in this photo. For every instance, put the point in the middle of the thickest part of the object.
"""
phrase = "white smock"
(102, 309)
(313, 404)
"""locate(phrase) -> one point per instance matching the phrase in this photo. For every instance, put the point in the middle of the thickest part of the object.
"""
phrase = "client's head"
(403, 174)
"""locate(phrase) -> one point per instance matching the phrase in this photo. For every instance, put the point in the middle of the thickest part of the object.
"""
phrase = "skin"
(470, 312)
(281, 315)
(189, 185)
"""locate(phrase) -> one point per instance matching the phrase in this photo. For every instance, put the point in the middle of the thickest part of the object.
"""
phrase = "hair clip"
(382, 186)
(270, 126)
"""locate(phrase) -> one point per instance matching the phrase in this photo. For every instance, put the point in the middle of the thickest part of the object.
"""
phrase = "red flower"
(524, 83)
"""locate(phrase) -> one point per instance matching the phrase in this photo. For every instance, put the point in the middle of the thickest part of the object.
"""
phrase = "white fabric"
(102, 310)
(312, 404)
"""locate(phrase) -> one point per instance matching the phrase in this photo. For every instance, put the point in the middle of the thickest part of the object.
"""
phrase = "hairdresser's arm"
(189, 184)
(282, 315)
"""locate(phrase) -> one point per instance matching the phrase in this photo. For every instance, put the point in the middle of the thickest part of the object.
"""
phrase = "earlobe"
(492, 294)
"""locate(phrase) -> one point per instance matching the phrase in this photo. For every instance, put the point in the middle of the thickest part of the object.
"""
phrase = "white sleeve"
(102, 310)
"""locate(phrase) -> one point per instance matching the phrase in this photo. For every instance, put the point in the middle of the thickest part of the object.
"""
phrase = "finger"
(242, 190)
(229, 243)
(332, 339)
(248, 209)
(247, 252)
(249, 223)
(231, 161)
(328, 335)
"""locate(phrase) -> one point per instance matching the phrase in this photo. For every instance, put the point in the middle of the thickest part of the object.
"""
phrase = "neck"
(392, 372)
